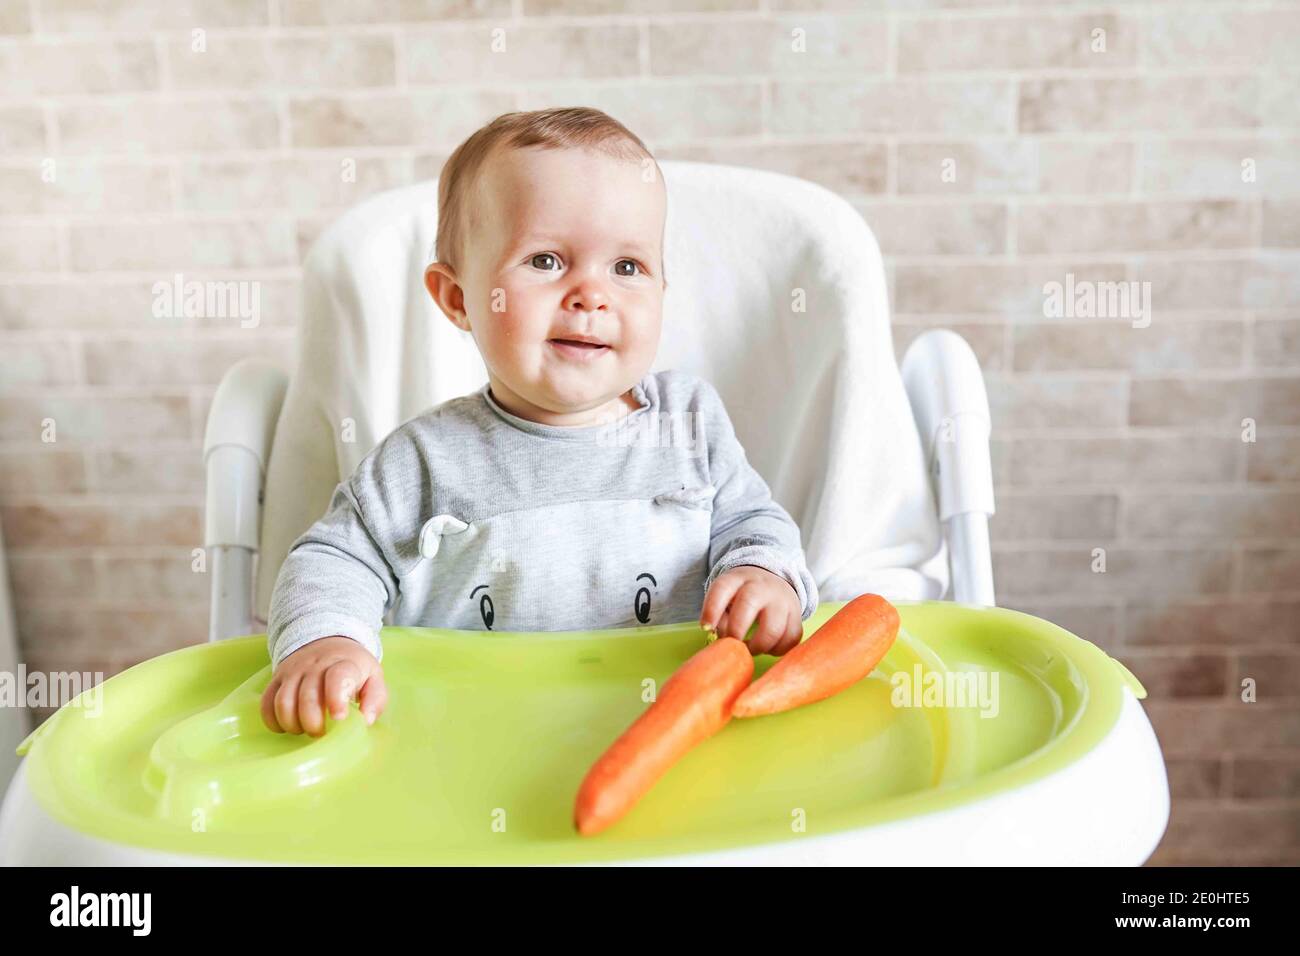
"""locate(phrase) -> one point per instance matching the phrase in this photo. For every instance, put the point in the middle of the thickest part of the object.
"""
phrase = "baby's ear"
(448, 296)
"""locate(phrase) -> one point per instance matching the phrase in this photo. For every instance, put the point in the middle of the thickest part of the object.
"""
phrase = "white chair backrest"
(776, 294)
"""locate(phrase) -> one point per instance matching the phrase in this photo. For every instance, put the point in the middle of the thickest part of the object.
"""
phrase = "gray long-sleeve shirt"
(470, 517)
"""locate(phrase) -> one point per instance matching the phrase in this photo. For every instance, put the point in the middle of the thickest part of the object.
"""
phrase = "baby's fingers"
(793, 635)
(310, 714)
(268, 705)
(374, 696)
(772, 625)
(742, 613)
(341, 683)
(716, 602)
(286, 705)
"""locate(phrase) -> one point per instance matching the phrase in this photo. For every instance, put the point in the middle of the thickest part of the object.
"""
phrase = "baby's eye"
(545, 261)
(632, 262)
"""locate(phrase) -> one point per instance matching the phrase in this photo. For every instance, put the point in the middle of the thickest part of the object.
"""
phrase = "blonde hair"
(556, 128)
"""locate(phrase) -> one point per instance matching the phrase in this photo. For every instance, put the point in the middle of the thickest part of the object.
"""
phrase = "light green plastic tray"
(487, 736)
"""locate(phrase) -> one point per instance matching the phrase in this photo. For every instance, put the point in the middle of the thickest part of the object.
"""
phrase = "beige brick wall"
(992, 146)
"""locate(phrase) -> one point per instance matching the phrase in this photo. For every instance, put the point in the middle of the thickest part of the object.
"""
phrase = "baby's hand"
(326, 673)
(746, 592)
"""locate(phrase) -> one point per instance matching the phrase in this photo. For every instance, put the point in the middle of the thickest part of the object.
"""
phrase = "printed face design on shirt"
(640, 602)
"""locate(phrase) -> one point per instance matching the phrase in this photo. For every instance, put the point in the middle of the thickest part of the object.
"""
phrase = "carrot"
(838, 654)
(694, 704)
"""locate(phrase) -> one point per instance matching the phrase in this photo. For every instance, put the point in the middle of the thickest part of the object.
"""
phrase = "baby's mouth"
(577, 344)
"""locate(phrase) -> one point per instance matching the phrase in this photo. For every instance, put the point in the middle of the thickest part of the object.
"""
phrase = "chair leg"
(232, 593)
(236, 449)
(949, 400)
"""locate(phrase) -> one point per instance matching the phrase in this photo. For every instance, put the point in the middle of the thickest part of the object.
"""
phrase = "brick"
(533, 51)
(961, 168)
(29, 248)
(1281, 223)
(42, 468)
(1241, 166)
(542, 8)
(106, 302)
(1017, 42)
(78, 67)
(22, 131)
(1063, 228)
(1202, 728)
(731, 46)
(45, 523)
(85, 187)
(306, 183)
(1273, 457)
(1194, 778)
(1263, 280)
(1059, 572)
(94, 418)
(92, 16)
(1213, 827)
(1228, 515)
(1266, 777)
(175, 360)
(943, 228)
(327, 12)
(1085, 166)
(391, 119)
(136, 125)
(663, 112)
(1270, 569)
(1123, 460)
(1276, 673)
(1055, 403)
(32, 363)
(1276, 343)
(1097, 623)
(77, 631)
(165, 467)
(1179, 673)
(240, 62)
(1219, 622)
(1216, 403)
(1041, 516)
(179, 245)
(123, 577)
(991, 287)
(1147, 103)
(846, 168)
(1199, 38)
(1168, 345)
(839, 108)
(54, 575)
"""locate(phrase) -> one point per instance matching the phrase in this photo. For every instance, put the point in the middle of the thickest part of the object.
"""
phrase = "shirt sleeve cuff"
(317, 626)
(779, 562)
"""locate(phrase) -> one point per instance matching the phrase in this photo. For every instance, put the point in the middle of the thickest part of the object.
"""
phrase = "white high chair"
(776, 294)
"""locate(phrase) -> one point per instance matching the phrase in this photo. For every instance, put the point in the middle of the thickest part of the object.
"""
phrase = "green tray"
(487, 736)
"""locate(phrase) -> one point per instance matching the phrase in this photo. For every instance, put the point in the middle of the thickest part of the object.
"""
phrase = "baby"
(575, 490)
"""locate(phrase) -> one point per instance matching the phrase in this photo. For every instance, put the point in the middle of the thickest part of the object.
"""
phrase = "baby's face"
(564, 244)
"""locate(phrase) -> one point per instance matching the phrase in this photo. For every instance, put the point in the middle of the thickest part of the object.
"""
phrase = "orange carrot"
(694, 704)
(838, 654)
